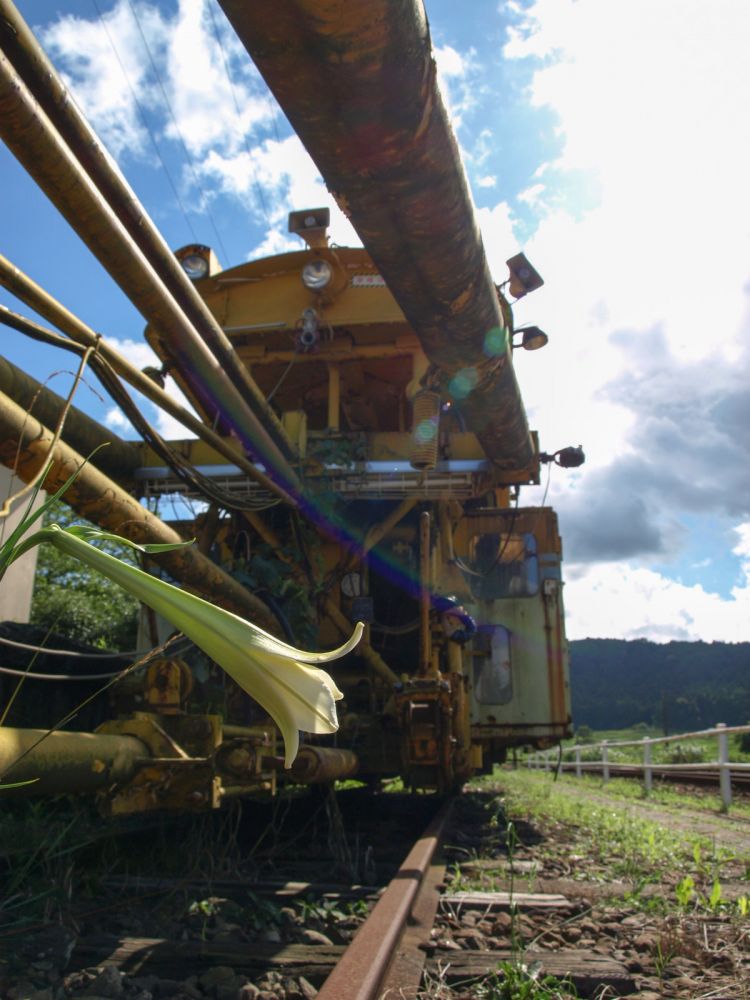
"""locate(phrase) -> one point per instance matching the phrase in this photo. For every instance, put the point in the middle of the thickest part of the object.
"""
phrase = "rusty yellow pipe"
(316, 765)
(43, 81)
(22, 286)
(98, 498)
(68, 762)
(31, 138)
(425, 580)
(379, 531)
(120, 458)
(334, 397)
(357, 81)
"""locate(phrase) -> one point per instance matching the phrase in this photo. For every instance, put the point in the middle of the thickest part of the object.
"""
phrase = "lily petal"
(278, 676)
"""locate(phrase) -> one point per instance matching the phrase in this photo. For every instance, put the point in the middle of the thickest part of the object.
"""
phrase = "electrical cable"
(106, 374)
(505, 545)
(31, 676)
(282, 377)
(77, 654)
(396, 629)
(546, 488)
(181, 468)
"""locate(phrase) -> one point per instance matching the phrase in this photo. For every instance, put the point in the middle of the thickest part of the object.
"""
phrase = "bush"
(685, 753)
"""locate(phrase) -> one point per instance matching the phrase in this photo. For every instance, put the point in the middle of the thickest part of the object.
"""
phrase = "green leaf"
(714, 900)
(18, 784)
(90, 534)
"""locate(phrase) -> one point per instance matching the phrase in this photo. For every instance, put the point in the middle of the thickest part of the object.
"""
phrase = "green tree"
(76, 602)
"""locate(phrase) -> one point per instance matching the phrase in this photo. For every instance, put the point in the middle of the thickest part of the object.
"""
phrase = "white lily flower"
(281, 678)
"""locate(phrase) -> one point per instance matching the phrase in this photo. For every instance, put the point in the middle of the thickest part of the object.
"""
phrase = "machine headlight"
(195, 266)
(316, 274)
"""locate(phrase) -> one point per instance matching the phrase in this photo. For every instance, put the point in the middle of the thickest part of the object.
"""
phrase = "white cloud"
(652, 98)
(487, 181)
(631, 602)
(650, 101)
(103, 80)
(450, 62)
(458, 79)
(290, 181)
(211, 108)
(137, 352)
(532, 195)
(116, 420)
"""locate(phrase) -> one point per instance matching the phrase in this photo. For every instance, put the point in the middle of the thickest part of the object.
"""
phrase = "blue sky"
(609, 140)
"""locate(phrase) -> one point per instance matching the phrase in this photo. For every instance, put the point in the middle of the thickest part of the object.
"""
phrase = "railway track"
(671, 775)
(225, 938)
(471, 900)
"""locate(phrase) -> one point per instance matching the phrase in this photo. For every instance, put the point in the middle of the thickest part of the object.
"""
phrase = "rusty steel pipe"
(360, 970)
(358, 84)
(40, 301)
(40, 76)
(98, 498)
(120, 458)
(316, 765)
(34, 142)
(68, 762)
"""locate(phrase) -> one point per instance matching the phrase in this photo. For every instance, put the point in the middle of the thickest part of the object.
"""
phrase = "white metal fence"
(550, 759)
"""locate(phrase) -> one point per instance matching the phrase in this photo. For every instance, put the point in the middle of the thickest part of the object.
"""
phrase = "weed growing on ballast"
(516, 981)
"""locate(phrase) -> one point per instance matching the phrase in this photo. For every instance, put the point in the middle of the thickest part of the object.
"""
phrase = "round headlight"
(195, 266)
(316, 274)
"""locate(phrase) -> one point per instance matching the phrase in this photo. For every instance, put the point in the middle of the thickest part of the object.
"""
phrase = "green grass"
(632, 790)
(626, 845)
(517, 981)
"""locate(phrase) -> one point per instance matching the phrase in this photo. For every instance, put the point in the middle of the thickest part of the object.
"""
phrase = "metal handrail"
(722, 763)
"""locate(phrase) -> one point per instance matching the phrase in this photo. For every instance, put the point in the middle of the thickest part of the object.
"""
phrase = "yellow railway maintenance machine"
(414, 532)
(361, 438)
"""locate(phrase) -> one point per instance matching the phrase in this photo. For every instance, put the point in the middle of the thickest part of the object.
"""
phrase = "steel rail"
(362, 968)
(709, 775)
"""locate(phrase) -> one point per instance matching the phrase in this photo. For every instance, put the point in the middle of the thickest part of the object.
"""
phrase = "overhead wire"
(145, 124)
(31, 675)
(188, 157)
(225, 63)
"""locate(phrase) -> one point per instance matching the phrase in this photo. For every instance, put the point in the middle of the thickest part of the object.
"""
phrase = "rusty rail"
(360, 973)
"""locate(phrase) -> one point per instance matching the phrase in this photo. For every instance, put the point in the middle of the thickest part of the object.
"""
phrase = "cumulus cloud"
(104, 79)
(631, 602)
(458, 80)
(646, 300)
(174, 89)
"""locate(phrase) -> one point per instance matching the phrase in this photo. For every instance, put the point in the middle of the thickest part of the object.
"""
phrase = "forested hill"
(677, 685)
